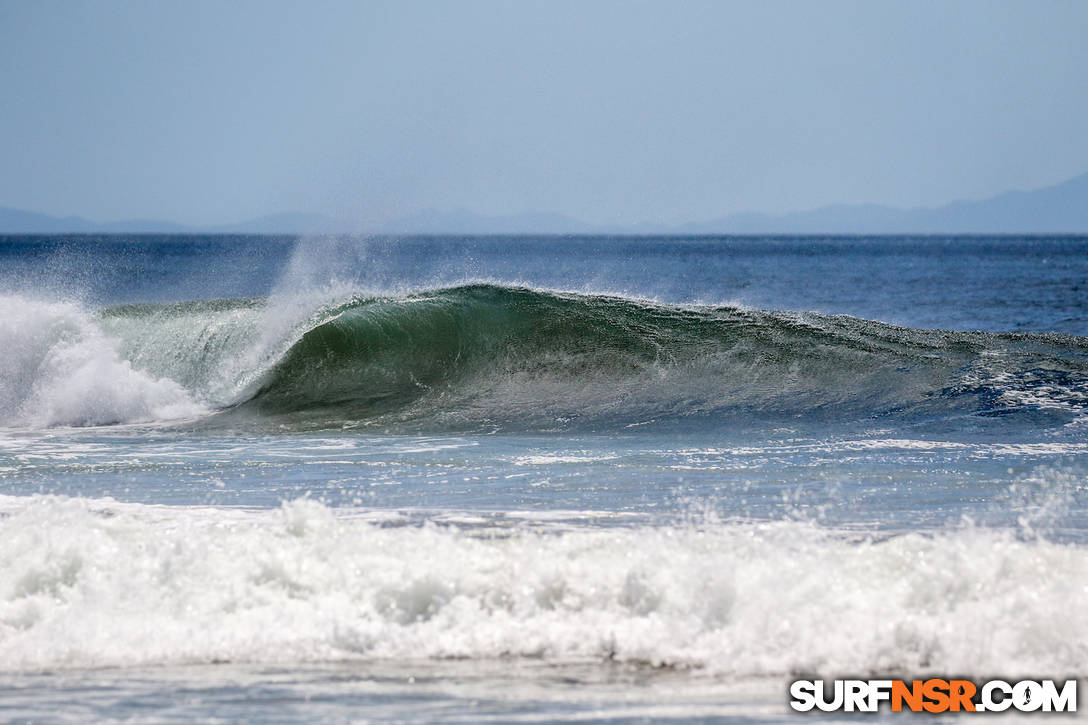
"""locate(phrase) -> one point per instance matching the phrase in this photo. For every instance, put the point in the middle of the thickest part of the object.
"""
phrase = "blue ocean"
(533, 479)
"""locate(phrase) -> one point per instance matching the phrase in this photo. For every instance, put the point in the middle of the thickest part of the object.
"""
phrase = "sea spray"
(493, 357)
(59, 369)
(93, 583)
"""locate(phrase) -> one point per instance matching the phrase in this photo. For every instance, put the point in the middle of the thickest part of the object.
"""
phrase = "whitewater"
(541, 479)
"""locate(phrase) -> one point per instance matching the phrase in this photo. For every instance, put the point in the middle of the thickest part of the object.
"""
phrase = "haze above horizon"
(612, 113)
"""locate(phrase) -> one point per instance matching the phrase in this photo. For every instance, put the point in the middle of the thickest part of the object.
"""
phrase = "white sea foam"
(60, 369)
(92, 582)
(544, 460)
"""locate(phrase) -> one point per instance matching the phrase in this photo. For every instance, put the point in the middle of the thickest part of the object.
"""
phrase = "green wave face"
(501, 358)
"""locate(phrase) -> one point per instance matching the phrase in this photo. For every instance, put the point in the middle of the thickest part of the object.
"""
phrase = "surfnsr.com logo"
(934, 695)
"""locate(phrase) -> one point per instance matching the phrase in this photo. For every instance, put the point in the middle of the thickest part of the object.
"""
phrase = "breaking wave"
(95, 583)
(490, 357)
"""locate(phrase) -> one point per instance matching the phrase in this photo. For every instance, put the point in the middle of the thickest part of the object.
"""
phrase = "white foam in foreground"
(87, 583)
(57, 368)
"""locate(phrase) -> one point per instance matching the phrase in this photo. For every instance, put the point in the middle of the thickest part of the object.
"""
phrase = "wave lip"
(488, 357)
(513, 358)
(93, 583)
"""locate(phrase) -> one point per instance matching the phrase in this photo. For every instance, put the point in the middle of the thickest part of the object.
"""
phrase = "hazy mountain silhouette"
(17, 221)
(1054, 209)
(1062, 208)
(463, 221)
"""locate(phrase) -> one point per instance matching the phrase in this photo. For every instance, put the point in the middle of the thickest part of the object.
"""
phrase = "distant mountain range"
(1062, 208)
(1054, 209)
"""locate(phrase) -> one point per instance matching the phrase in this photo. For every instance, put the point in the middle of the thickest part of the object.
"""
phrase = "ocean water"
(458, 479)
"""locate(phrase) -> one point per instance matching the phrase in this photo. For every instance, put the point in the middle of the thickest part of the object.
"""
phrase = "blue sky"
(610, 112)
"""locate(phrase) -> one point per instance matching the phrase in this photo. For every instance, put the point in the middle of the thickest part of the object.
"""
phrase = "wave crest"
(506, 358)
